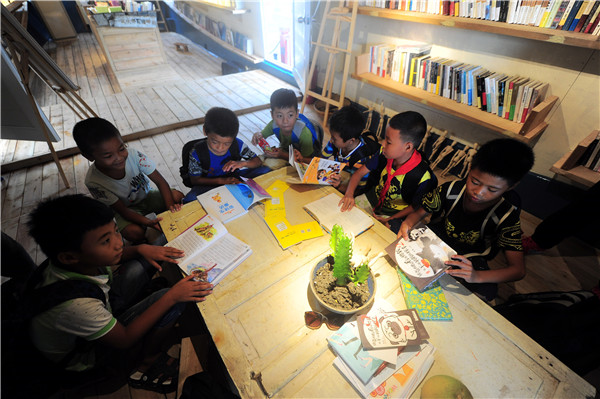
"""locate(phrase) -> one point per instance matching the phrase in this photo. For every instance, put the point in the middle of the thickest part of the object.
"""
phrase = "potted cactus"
(339, 285)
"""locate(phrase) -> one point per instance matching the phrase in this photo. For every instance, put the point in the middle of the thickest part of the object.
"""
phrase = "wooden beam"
(67, 152)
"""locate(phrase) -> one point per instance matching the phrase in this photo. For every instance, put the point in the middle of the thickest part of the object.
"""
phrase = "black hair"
(59, 224)
(283, 98)
(412, 126)
(507, 158)
(348, 122)
(221, 121)
(91, 132)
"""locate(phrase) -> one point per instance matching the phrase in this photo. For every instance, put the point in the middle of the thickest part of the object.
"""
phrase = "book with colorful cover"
(232, 200)
(318, 171)
(422, 257)
(430, 304)
(391, 329)
(175, 223)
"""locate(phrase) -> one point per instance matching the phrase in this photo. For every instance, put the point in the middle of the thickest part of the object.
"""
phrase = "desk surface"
(256, 318)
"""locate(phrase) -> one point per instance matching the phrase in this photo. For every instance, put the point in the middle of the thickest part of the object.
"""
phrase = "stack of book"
(590, 156)
(569, 15)
(384, 353)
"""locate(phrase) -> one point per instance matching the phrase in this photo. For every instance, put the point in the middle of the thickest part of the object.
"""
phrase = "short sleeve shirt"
(305, 137)
(331, 151)
(216, 162)
(131, 189)
(462, 230)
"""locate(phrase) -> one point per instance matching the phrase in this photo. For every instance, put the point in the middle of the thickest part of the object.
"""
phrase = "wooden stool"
(182, 47)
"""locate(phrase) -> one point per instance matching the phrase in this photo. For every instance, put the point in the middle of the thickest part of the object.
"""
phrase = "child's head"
(403, 135)
(346, 125)
(100, 141)
(221, 126)
(76, 230)
(284, 109)
(496, 168)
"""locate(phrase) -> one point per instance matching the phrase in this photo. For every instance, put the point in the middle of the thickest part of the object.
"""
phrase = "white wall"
(573, 74)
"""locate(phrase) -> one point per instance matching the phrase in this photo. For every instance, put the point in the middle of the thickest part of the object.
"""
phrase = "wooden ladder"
(337, 14)
(160, 18)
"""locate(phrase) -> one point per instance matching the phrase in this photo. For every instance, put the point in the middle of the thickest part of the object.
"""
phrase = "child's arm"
(165, 190)
(299, 158)
(133, 216)
(213, 181)
(186, 290)
(152, 253)
(398, 215)
(347, 202)
(252, 163)
(514, 271)
(411, 219)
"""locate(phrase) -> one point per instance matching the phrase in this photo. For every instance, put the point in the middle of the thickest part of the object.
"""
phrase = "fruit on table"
(444, 386)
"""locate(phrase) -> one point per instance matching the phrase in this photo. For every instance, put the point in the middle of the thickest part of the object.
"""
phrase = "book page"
(175, 223)
(320, 170)
(327, 212)
(221, 204)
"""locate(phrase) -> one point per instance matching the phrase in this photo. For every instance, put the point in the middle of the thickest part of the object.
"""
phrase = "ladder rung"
(337, 49)
(324, 99)
(340, 10)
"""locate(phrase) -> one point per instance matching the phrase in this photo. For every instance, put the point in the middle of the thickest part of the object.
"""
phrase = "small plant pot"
(327, 304)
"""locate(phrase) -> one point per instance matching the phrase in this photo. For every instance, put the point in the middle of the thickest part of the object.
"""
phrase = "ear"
(68, 257)
(410, 146)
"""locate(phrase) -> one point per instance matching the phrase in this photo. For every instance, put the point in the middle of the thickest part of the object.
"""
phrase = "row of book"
(507, 96)
(591, 156)
(569, 15)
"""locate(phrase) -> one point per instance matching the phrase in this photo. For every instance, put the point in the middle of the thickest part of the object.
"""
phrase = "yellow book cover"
(275, 207)
(175, 223)
(278, 188)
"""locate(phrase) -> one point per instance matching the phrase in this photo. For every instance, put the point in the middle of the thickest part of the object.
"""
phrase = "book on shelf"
(327, 212)
(590, 17)
(174, 223)
(318, 171)
(422, 257)
(391, 329)
(566, 14)
(573, 14)
(231, 201)
(430, 304)
(594, 154)
(211, 249)
(587, 153)
(577, 154)
(595, 16)
(559, 13)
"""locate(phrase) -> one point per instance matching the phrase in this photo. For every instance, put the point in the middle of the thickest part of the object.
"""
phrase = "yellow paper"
(285, 234)
(309, 230)
(278, 188)
(175, 223)
(275, 207)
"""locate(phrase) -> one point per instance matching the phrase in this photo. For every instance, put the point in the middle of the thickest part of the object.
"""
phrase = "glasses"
(314, 320)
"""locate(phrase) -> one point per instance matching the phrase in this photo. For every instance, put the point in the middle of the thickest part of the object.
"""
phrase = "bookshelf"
(568, 166)
(231, 9)
(533, 127)
(576, 39)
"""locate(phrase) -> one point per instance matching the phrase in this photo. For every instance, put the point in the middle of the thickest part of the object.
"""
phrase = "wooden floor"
(571, 265)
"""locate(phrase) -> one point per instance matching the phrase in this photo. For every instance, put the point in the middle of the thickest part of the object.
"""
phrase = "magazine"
(318, 171)
(422, 258)
(391, 329)
(211, 253)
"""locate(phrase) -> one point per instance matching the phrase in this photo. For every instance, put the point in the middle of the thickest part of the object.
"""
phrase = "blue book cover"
(347, 345)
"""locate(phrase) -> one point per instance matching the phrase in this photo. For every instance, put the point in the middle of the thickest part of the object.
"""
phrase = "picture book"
(346, 344)
(175, 223)
(391, 329)
(232, 200)
(422, 258)
(287, 234)
(430, 304)
(327, 212)
(210, 251)
(318, 171)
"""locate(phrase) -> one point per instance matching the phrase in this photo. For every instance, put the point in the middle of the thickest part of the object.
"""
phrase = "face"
(218, 145)
(394, 147)
(110, 156)
(483, 189)
(338, 142)
(102, 246)
(285, 118)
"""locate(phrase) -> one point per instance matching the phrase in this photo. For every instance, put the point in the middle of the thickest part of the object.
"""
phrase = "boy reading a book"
(120, 178)
(290, 127)
(400, 174)
(220, 158)
(480, 215)
(348, 145)
(81, 239)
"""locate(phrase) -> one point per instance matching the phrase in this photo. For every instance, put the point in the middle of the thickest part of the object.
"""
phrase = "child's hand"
(298, 156)
(272, 153)
(230, 180)
(256, 138)
(233, 165)
(346, 203)
(334, 179)
(155, 254)
(385, 220)
(175, 207)
(404, 229)
(465, 268)
(188, 290)
(154, 223)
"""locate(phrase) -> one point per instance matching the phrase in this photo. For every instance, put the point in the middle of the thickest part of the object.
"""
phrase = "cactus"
(341, 251)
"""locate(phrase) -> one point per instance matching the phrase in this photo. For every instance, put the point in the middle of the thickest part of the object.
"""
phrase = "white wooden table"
(256, 318)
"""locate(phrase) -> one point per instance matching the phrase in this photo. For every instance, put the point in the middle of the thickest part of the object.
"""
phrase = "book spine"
(577, 16)
(593, 15)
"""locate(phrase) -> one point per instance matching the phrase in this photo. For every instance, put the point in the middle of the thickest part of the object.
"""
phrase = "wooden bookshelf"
(568, 165)
(232, 10)
(532, 128)
(253, 59)
(576, 39)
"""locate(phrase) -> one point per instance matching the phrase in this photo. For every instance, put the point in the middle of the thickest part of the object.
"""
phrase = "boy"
(120, 178)
(479, 217)
(290, 127)
(82, 241)
(401, 173)
(349, 145)
(221, 157)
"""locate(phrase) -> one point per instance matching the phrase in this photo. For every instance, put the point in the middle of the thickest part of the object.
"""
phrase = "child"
(220, 158)
(290, 127)
(400, 174)
(478, 216)
(349, 145)
(120, 177)
(82, 241)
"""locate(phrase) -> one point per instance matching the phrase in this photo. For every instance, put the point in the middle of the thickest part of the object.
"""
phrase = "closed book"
(508, 96)
(589, 8)
(571, 14)
(518, 88)
(592, 17)
(539, 93)
(585, 157)
(552, 14)
(519, 101)
(543, 15)
(527, 100)
(481, 95)
(562, 9)
(582, 7)
(577, 154)
(593, 156)
(430, 304)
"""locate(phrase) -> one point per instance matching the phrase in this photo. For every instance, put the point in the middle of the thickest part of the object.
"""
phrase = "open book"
(327, 212)
(422, 258)
(318, 171)
(175, 223)
(210, 251)
(232, 200)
